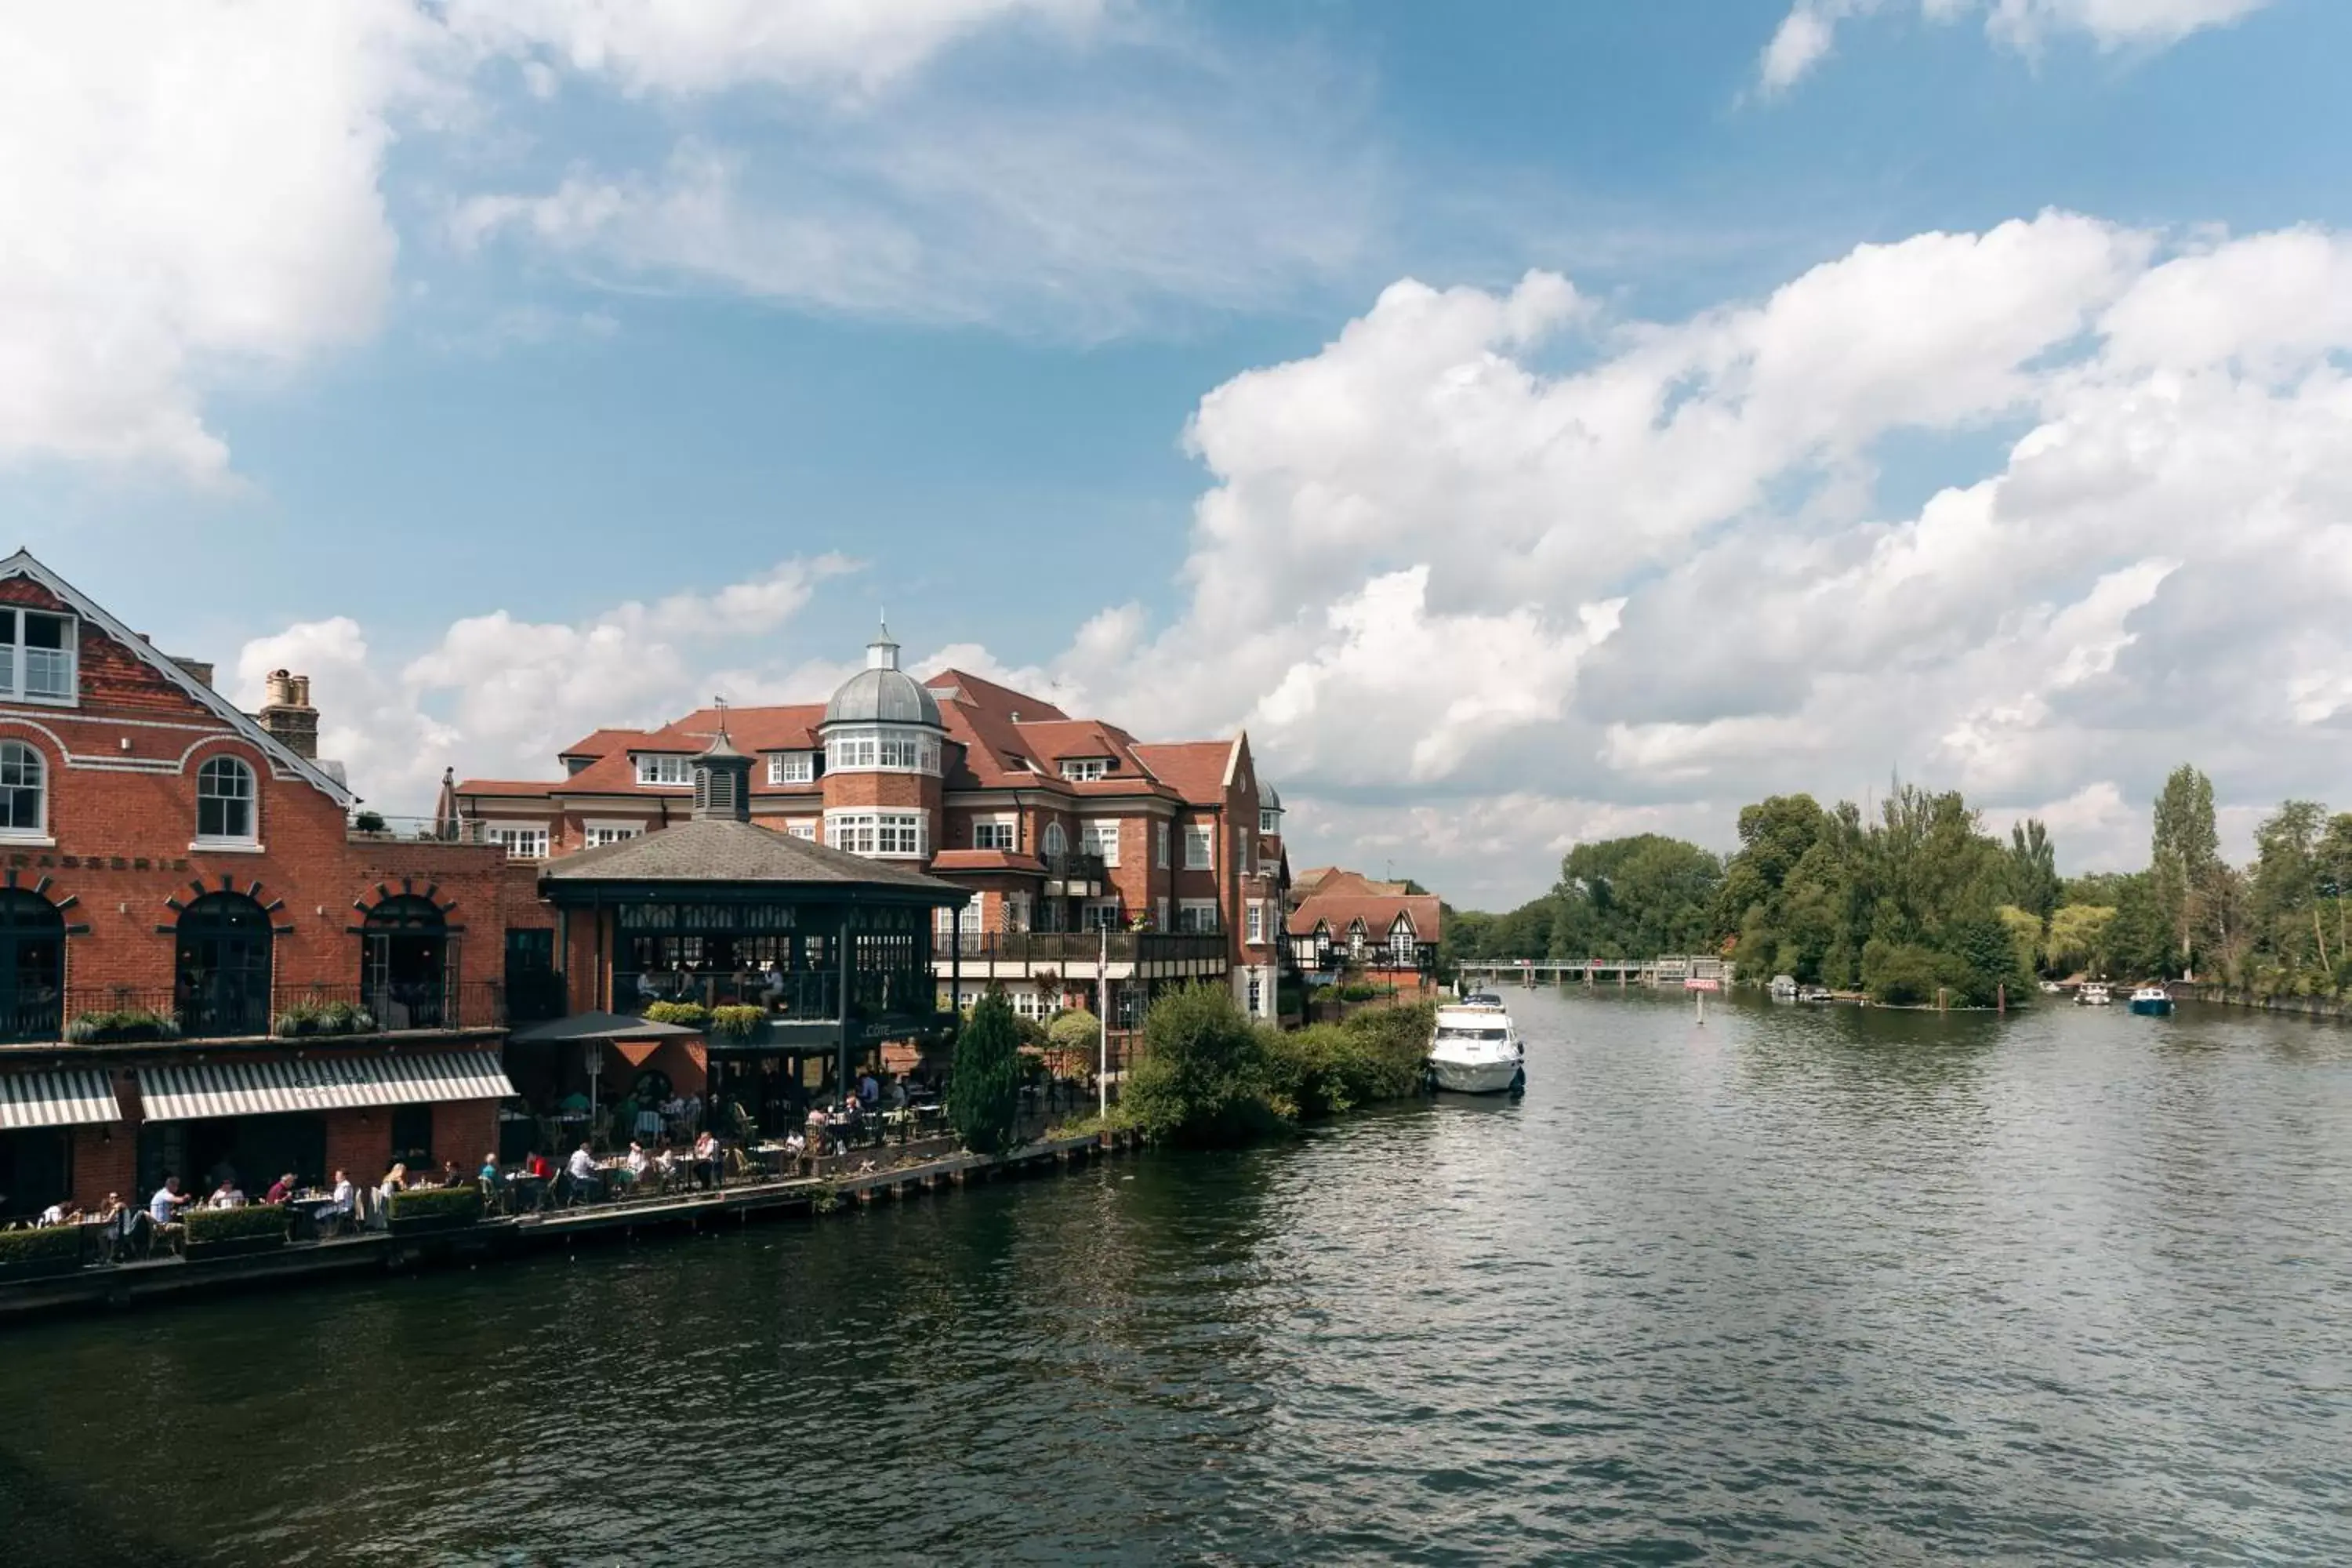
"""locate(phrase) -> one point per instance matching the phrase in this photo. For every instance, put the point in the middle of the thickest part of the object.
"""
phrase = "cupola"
(722, 780)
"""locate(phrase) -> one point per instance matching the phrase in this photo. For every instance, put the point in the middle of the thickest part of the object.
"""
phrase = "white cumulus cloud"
(1807, 34)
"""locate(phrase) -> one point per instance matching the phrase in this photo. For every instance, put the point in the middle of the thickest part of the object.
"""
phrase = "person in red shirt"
(279, 1190)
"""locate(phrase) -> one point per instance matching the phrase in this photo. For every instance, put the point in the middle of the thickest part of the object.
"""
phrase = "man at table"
(344, 1197)
(228, 1195)
(582, 1169)
(868, 1091)
(490, 1173)
(165, 1205)
(58, 1212)
(539, 1165)
(279, 1190)
(705, 1159)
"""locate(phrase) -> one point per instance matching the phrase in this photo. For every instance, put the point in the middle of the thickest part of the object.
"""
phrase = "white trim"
(23, 564)
(1201, 833)
(227, 846)
(28, 840)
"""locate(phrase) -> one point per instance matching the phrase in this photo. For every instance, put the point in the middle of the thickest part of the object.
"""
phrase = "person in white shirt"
(56, 1214)
(639, 1162)
(582, 1169)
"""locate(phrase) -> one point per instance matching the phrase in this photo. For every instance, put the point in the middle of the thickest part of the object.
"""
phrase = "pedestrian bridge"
(1668, 971)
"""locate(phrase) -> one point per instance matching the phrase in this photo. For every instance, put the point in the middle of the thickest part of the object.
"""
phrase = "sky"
(1528, 424)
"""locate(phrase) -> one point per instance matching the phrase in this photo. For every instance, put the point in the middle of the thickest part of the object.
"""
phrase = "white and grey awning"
(61, 1097)
(193, 1091)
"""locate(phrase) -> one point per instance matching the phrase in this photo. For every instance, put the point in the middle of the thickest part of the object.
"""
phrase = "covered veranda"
(796, 962)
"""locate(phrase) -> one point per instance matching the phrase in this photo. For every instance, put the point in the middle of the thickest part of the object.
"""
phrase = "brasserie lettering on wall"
(99, 862)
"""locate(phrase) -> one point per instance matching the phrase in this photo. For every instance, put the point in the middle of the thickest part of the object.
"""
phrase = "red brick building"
(1344, 920)
(206, 955)
(1065, 827)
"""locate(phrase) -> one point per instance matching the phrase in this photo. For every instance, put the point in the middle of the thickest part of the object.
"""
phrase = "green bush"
(1357, 991)
(310, 1016)
(735, 1023)
(122, 1025)
(1328, 1068)
(1076, 1030)
(691, 1014)
(39, 1246)
(237, 1225)
(438, 1203)
(984, 1094)
(1203, 1076)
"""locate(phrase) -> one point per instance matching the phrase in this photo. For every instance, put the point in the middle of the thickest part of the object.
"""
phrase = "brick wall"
(359, 1142)
(465, 1130)
(105, 1160)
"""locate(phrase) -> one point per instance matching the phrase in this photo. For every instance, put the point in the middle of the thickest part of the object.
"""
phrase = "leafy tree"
(2138, 938)
(1634, 897)
(2289, 877)
(984, 1094)
(2033, 882)
(2077, 940)
(2026, 937)
(2184, 857)
(1203, 1077)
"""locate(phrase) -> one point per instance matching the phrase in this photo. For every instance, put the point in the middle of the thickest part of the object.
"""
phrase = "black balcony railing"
(376, 826)
(802, 994)
(1075, 866)
(1063, 947)
(118, 1014)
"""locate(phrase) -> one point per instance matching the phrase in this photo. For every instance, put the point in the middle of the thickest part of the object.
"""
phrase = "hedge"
(237, 1225)
(39, 1246)
(735, 1023)
(692, 1014)
(438, 1203)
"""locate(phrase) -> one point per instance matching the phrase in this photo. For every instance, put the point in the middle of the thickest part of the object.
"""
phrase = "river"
(1794, 1287)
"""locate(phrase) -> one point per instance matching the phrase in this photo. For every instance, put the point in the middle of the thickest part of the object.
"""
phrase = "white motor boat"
(2091, 993)
(1476, 1050)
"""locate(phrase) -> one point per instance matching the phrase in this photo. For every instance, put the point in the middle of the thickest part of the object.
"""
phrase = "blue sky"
(569, 316)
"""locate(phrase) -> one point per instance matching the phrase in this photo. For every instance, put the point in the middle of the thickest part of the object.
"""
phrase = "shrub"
(310, 1016)
(1201, 1078)
(1330, 1067)
(237, 1225)
(122, 1025)
(438, 1203)
(368, 822)
(39, 1246)
(691, 1014)
(1357, 991)
(1076, 1030)
(984, 1094)
(735, 1023)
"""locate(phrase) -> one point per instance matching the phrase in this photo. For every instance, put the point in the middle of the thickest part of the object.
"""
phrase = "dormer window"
(656, 769)
(792, 767)
(37, 656)
(1269, 823)
(1085, 770)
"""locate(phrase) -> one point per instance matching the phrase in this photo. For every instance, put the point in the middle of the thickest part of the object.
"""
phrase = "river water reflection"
(1798, 1286)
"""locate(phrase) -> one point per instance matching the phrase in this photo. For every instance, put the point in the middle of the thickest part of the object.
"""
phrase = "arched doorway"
(223, 966)
(32, 966)
(405, 968)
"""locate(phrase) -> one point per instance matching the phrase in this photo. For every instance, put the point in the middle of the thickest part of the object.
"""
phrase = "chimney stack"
(286, 714)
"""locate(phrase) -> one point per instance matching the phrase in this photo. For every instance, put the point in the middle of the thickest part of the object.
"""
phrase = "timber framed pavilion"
(819, 955)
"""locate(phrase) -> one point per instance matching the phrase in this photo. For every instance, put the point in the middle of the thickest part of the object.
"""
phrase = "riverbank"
(499, 1238)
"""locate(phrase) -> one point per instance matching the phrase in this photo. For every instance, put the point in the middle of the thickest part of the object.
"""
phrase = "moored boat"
(1476, 1050)
(1784, 988)
(2091, 993)
(2152, 1002)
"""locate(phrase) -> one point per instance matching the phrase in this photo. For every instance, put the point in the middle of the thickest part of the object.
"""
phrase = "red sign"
(1694, 983)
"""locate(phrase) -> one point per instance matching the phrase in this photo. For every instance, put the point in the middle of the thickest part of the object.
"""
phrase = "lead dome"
(882, 693)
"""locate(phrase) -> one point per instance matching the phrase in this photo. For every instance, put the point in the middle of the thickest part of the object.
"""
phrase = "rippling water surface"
(1796, 1287)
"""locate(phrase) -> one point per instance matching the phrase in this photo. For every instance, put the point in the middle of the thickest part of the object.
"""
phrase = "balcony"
(118, 1015)
(1076, 874)
(1141, 954)
(375, 827)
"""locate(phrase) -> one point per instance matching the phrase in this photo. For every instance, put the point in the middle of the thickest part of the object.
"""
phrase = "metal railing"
(1075, 866)
(125, 1015)
(1065, 947)
(374, 826)
(802, 994)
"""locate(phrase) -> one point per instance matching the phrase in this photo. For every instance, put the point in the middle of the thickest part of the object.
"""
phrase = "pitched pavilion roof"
(718, 849)
(599, 1026)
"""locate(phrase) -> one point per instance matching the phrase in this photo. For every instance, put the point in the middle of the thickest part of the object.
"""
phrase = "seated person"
(490, 1173)
(581, 1168)
(344, 1196)
(279, 1190)
(706, 1158)
(539, 1165)
(228, 1195)
(639, 1162)
(59, 1213)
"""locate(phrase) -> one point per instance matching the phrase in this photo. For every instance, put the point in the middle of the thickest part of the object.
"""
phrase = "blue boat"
(2152, 1002)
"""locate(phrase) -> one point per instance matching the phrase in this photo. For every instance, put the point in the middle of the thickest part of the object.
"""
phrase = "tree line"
(1916, 896)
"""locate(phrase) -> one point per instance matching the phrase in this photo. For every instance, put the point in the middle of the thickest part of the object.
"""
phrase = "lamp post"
(1102, 1021)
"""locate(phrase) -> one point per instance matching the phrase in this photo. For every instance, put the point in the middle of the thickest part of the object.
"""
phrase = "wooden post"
(1943, 1000)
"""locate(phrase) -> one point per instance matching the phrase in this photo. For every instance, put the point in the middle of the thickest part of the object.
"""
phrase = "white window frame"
(1100, 835)
(222, 763)
(881, 749)
(1100, 914)
(1191, 914)
(996, 832)
(31, 759)
(1159, 842)
(1056, 840)
(17, 660)
(1256, 997)
(1200, 846)
(1012, 913)
(803, 829)
(1085, 770)
(1164, 915)
(523, 841)
(880, 835)
(792, 767)
(1241, 849)
(659, 769)
(1269, 822)
(1256, 924)
(596, 835)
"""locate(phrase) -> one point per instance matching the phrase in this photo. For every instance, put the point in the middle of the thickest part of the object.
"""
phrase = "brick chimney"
(286, 714)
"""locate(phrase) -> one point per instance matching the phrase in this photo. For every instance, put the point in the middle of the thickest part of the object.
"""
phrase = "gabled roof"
(975, 691)
(282, 759)
(601, 742)
(1197, 770)
(1379, 912)
(722, 850)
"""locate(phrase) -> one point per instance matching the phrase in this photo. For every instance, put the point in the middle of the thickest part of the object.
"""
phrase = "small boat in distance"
(2091, 993)
(2152, 1002)
(1476, 1050)
(1784, 988)
(1816, 995)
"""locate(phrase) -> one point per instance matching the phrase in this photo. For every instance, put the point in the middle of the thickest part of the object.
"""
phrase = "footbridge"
(1668, 971)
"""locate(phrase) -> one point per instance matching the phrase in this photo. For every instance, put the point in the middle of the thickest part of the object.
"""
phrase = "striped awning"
(65, 1097)
(192, 1090)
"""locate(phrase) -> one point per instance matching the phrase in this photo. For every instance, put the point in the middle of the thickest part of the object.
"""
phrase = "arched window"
(23, 789)
(225, 800)
(222, 966)
(405, 966)
(32, 966)
(1057, 841)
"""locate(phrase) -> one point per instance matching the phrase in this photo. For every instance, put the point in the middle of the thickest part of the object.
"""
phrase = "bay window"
(880, 833)
(881, 748)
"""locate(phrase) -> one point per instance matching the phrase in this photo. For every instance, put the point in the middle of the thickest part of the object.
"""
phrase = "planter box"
(236, 1246)
(39, 1269)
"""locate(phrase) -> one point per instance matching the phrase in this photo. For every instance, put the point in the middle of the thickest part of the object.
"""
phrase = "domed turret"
(882, 693)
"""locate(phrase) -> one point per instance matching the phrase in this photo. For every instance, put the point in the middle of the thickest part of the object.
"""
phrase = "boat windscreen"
(1456, 1032)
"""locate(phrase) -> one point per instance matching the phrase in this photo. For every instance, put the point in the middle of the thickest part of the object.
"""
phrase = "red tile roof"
(1195, 769)
(1338, 911)
(986, 860)
(601, 742)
